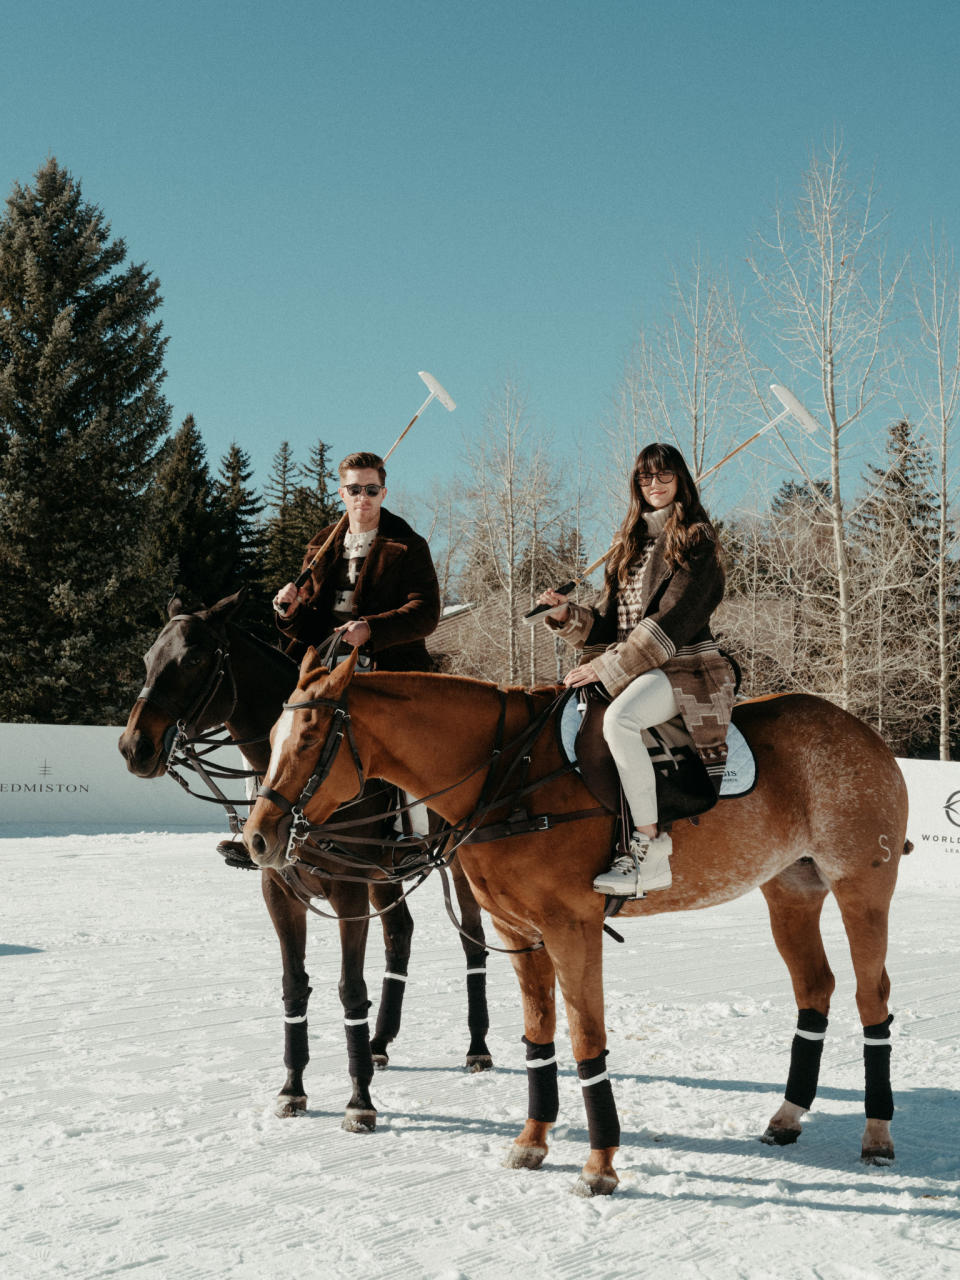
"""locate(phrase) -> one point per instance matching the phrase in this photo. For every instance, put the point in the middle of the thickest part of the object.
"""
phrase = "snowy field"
(141, 1052)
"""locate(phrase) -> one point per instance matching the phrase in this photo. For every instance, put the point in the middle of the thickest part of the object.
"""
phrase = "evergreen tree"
(240, 510)
(299, 511)
(81, 419)
(896, 553)
(188, 529)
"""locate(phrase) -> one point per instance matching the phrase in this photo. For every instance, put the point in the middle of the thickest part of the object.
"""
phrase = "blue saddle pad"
(739, 775)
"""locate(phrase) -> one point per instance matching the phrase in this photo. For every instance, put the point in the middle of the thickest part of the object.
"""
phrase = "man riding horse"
(368, 578)
(374, 582)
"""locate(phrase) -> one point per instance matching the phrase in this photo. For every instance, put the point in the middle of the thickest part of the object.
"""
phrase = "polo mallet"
(791, 405)
(437, 392)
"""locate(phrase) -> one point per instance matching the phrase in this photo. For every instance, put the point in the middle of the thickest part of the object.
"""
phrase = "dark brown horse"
(205, 670)
(828, 814)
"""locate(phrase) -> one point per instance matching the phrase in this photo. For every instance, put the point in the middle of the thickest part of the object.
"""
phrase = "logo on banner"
(45, 769)
(952, 809)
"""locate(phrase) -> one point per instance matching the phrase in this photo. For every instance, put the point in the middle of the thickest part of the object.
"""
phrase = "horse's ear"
(175, 607)
(308, 662)
(342, 674)
(224, 609)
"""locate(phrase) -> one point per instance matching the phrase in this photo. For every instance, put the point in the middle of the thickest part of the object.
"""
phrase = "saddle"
(684, 788)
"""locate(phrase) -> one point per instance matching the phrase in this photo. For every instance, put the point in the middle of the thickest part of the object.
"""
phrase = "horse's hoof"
(596, 1184)
(877, 1155)
(525, 1157)
(479, 1062)
(779, 1137)
(357, 1121)
(380, 1061)
(290, 1105)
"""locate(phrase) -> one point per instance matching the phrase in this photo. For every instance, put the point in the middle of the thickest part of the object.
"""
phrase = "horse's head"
(310, 734)
(187, 680)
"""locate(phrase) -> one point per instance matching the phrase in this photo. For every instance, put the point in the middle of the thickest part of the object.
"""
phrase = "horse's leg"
(351, 900)
(864, 906)
(397, 934)
(474, 948)
(576, 948)
(537, 979)
(795, 900)
(289, 917)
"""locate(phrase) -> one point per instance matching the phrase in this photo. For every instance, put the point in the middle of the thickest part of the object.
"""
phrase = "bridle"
(210, 689)
(340, 727)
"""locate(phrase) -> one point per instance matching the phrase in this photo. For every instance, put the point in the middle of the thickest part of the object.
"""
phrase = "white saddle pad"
(738, 777)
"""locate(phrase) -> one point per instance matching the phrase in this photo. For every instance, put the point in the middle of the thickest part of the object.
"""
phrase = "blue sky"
(334, 196)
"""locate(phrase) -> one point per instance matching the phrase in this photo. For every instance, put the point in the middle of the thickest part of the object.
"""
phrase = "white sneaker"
(654, 859)
(620, 878)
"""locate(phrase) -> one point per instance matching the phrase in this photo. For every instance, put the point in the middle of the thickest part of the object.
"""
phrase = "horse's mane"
(270, 651)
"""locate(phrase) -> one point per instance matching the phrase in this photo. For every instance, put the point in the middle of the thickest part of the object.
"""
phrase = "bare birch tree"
(828, 307)
(682, 380)
(936, 299)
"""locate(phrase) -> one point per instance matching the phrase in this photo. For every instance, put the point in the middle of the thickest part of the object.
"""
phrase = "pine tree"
(189, 529)
(299, 511)
(240, 509)
(896, 556)
(81, 419)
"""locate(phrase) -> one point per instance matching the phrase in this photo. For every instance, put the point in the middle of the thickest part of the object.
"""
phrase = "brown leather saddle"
(684, 788)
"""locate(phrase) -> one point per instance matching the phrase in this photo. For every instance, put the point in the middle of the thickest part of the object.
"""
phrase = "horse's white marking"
(281, 734)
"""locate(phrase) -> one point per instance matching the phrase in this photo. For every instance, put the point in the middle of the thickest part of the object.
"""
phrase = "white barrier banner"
(933, 787)
(74, 776)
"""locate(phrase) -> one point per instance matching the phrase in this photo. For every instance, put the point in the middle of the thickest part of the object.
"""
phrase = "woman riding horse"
(663, 581)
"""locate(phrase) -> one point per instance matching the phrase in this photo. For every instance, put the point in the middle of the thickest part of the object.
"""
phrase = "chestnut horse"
(827, 814)
(206, 671)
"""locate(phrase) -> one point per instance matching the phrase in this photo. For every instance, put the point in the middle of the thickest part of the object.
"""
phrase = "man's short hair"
(363, 462)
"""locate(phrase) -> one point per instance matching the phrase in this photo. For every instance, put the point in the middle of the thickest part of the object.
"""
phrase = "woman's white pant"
(646, 701)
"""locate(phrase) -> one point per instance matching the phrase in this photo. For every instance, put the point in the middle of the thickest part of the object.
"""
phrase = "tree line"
(843, 584)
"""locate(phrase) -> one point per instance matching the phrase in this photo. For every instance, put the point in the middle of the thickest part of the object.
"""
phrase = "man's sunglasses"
(646, 478)
(371, 490)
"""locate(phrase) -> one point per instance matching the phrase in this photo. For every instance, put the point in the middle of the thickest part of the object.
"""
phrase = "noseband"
(340, 728)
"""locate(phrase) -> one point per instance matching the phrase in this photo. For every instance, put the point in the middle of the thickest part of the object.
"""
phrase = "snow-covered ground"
(141, 1052)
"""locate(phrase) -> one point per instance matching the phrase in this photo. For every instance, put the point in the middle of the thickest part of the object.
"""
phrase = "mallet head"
(436, 390)
(793, 405)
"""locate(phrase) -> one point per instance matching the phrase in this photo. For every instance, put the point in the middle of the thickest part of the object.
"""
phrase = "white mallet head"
(793, 405)
(436, 390)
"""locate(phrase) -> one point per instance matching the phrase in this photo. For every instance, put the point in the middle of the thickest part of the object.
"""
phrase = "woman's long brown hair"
(688, 525)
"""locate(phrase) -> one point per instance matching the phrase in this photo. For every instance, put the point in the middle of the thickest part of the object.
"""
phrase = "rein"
(437, 851)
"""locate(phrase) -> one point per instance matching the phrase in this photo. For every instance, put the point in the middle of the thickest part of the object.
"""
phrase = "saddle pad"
(738, 777)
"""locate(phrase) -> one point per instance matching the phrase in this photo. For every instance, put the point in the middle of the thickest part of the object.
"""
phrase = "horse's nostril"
(258, 846)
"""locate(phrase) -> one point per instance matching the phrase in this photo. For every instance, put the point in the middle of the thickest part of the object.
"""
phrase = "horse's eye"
(192, 658)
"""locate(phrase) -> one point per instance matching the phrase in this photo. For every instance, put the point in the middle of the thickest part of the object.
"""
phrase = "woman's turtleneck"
(656, 521)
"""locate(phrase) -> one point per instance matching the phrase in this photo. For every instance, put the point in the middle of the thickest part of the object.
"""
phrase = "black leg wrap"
(391, 1001)
(296, 1051)
(359, 1056)
(805, 1054)
(603, 1122)
(543, 1098)
(478, 1018)
(878, 1096)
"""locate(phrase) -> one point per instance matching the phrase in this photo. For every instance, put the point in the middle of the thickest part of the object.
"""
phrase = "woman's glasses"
(371, 490)
(646, 478)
